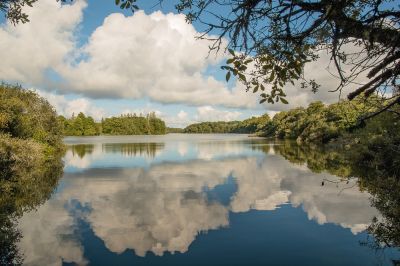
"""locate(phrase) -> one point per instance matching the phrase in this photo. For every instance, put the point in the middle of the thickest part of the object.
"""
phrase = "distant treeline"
(174, 130)
(127, 124)
(247, 126)
(317, 123)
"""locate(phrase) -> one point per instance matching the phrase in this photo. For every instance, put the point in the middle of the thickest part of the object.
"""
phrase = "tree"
(13, 10)
(276, 39)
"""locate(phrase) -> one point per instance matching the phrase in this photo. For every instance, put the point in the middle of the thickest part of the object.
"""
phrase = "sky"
(93, 57)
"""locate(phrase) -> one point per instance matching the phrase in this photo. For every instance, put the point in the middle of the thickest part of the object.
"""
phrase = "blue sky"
(96, 58)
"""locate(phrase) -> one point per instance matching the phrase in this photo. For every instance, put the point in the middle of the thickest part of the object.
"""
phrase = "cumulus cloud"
(154, 56)
(180, 120)
(29, 50)
(182, 115)
(209, 113)
(67, 107)
(160, 59)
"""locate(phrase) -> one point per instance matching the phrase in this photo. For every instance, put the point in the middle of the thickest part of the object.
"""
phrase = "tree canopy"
(278, 38)
(131, 124)
(125, 124)
(247, 126)
(80, 125)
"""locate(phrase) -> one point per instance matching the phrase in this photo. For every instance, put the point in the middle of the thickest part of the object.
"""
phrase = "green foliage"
(28, 175)
(30, 137)
(127, 4)
(275, 40)
(318, 123)
(248, 126)
(13, 10)
(131, 124)
(80, 125)
(31, 149)
(25, 115)
(174, 130)
(377, 144)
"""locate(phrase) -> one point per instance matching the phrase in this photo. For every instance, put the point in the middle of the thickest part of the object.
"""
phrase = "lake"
(207, 199)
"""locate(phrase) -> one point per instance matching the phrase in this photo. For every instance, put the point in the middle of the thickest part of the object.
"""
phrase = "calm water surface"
(196, 200)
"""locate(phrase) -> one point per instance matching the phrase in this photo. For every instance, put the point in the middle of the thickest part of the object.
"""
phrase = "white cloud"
(209, 113)
(153, 56)
(67, 107)
(182, 115)
(29, 50)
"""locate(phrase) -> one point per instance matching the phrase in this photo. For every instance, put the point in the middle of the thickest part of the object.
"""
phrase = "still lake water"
(196, 200)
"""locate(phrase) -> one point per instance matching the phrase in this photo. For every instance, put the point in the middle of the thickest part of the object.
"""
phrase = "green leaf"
(117, 2)
(230, 61)
(231, 52)
(284, 101)
(228, 76)
(263, 100)
(272, 76)
(255, 89)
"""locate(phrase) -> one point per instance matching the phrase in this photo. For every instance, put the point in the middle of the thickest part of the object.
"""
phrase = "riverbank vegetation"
(31, 149)
(375, 141)
(29, 130)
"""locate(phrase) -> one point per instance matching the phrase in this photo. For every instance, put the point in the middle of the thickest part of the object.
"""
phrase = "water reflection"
(188, 189)
(134, 149)
(381, 184)
(81, 150)
(23, 190)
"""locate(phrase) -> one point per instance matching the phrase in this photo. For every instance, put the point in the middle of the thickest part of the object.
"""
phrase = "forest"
(247, 126)
(126, 124)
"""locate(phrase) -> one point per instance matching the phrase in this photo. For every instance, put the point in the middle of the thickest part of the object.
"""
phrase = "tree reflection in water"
(383, 185)
(163, 208)
(21, 191)
(148, 149)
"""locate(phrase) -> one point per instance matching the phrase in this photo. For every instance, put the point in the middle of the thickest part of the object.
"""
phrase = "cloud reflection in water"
(164, 207)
